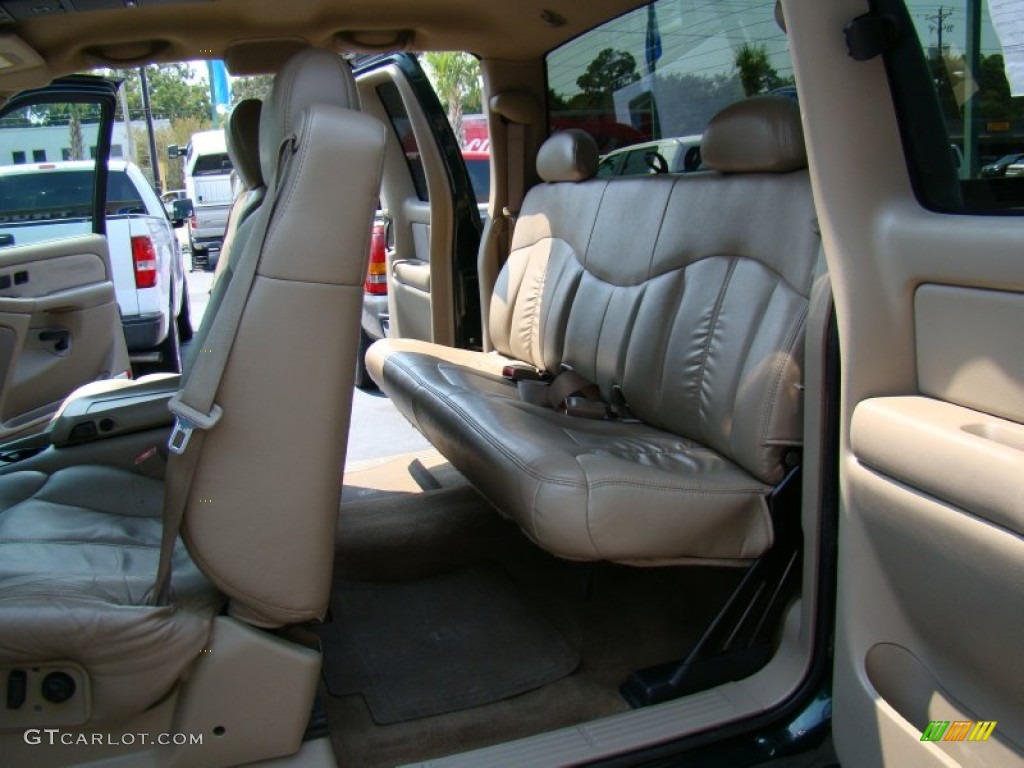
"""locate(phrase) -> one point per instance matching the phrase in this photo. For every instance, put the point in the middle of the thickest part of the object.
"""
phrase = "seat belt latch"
(187, 419)
(519, 373)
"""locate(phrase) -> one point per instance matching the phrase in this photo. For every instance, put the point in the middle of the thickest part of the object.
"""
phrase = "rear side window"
(217, 164)
(663, 71)
(958, 84)
(122, 196)
(52, 195)
(398, 116)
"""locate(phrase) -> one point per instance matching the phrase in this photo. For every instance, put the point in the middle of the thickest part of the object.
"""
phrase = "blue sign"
(220, 91)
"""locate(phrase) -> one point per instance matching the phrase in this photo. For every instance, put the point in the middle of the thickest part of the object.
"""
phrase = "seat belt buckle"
(180, 436)
(583, 408)
(186, 420)
(517, 373)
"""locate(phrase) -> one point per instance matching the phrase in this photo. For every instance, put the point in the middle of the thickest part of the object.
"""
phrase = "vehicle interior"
(726, 462)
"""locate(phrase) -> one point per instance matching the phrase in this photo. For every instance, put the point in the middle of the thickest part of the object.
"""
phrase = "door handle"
(61, 339)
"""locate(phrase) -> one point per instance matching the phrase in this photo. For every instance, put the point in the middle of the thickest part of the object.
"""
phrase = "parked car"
(675, 155)
(376, 318)
(168, 198)
(1003, 166)
(53, 199)
(375, 302)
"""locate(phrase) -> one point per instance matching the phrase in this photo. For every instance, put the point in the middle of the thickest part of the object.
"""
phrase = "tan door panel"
(929, 308)
(59, 328)
(420, 305)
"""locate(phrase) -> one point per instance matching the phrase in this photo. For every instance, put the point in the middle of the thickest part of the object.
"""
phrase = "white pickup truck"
(46, 201)
(208, 185)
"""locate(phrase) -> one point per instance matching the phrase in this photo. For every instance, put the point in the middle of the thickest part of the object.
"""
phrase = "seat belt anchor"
(186, 420)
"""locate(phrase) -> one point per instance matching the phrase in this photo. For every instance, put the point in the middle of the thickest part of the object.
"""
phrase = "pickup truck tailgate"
(215, 191)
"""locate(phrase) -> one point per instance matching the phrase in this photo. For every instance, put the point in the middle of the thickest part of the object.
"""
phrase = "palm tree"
(75, 140)
(756, 71)
(456, 78)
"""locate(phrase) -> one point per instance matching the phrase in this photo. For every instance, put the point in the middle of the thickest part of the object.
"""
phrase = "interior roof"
(201, 30)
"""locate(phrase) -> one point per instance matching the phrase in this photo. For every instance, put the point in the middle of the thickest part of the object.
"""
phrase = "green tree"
(173, 91)
(178, 132)
(610, 71)
(456, 79)
(250, 87)
(757, 74)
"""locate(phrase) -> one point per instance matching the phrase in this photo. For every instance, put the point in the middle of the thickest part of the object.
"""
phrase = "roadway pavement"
(377, 428)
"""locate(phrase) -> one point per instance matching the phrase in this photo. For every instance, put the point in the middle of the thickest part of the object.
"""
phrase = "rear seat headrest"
(568, 156)
(762, 134)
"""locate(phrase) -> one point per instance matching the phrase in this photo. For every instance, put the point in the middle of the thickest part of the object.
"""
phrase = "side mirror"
(173, 151)
(181, 210)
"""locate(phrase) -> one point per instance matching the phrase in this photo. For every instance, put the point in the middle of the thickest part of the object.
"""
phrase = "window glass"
(54, 194)
(455, 77)
(637, 163)
(37, 190)
(662, 71)
(216, 164)
(399, 119)
(479, 166)
(974, 60)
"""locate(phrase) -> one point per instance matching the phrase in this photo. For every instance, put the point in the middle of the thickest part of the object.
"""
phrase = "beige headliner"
(508, 30)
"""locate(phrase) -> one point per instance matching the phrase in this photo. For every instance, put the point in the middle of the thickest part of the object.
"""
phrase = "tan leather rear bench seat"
(683, 297)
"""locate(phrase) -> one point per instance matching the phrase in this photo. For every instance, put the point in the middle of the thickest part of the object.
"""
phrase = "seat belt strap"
(557, 392)
(516, 162)
(574, 395)
(193, 406)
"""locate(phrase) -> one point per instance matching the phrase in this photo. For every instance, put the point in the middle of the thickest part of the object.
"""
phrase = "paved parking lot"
(377, 428)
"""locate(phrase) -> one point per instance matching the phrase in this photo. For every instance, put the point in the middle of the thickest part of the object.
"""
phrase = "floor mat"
(441, 644)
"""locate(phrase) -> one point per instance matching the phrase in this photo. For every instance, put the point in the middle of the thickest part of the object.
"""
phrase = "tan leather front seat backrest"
(264, 500)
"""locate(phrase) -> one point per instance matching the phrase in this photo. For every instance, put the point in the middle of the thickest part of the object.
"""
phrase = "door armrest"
(112, 408)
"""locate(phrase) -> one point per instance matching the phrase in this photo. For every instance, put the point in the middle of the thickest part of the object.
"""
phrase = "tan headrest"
(762, 134)
(568, 156)
(312, 76)
(243, 139)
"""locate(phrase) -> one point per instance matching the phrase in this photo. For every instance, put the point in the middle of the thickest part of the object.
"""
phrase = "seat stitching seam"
(112, 513)
(78, 542)
(779, 370)
(586, 508)
(593, 226)
(661, 225)
(719, 302)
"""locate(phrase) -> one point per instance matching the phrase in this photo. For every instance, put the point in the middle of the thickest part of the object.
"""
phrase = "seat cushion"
(78, 554)
(580, 488)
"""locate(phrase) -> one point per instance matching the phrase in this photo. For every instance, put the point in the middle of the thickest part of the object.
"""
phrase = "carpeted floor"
(394, 475)
(440, 644)
(617, 618)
